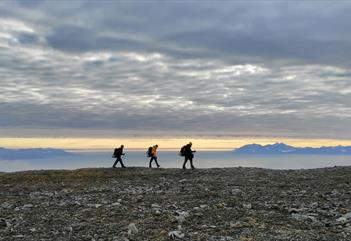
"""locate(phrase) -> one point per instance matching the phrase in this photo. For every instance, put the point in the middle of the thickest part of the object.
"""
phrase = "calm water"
(170, 159)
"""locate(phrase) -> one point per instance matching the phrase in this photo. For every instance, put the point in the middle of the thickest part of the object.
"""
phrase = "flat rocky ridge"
(172, 204)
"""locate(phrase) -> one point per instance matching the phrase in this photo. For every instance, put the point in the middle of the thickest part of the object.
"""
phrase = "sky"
(175, 68)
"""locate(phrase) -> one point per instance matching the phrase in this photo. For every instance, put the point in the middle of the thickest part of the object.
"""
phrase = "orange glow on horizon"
(203, 143)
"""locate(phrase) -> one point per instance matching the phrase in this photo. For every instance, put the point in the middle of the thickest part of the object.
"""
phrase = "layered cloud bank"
(236, 68)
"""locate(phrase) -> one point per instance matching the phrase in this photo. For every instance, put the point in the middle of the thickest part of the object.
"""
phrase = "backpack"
(116, 151)
(149, 152)
(182, 151)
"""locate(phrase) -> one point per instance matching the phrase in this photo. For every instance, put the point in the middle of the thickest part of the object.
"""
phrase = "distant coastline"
(32, 153)
(283, 149)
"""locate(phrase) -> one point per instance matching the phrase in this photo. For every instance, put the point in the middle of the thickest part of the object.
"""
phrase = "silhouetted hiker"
(117, 154)
(152, 152)
(188, 155)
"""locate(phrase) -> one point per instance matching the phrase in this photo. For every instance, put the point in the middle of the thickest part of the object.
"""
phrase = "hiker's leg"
(191, 163)
(114, 165)
(150, 163)
(155, 158)
(120, 160)
(185, 161)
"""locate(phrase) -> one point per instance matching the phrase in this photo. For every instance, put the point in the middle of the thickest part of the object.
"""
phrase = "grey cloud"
(229, 31)
(71, 38)
(27, 38)
(221, 67)
(30, 3)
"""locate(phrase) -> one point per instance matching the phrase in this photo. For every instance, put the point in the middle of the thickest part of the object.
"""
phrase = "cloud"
(220, 68)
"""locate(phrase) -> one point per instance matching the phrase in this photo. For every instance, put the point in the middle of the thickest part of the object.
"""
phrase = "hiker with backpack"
(152, 153)
(118, 153)
(188, 155)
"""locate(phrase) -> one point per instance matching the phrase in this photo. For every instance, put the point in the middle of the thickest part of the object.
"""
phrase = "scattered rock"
(235, 191)
(132, 229)
(120, 239)
(295, 210)
(303, 217)
(237, 224)
(347, 229)
(3, 223)
(27, 206)
(221, 238)
(94, 205)
(247, 205)
(6, 205)
(181, 216)
(176, 234)
(155, 206)
(345, 217)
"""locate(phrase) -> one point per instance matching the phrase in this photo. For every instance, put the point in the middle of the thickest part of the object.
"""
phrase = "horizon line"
(200, 143)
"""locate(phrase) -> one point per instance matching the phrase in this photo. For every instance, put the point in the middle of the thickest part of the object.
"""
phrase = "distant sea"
(171, 159)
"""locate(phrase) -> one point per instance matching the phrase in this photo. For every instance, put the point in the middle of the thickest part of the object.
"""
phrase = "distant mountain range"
(33, 153)
(281, 148)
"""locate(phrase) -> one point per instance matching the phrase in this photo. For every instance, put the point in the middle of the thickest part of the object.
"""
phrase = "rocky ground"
(164, 204)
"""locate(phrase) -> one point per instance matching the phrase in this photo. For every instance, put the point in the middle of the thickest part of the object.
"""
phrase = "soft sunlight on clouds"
(8, 25)
(229, 67)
